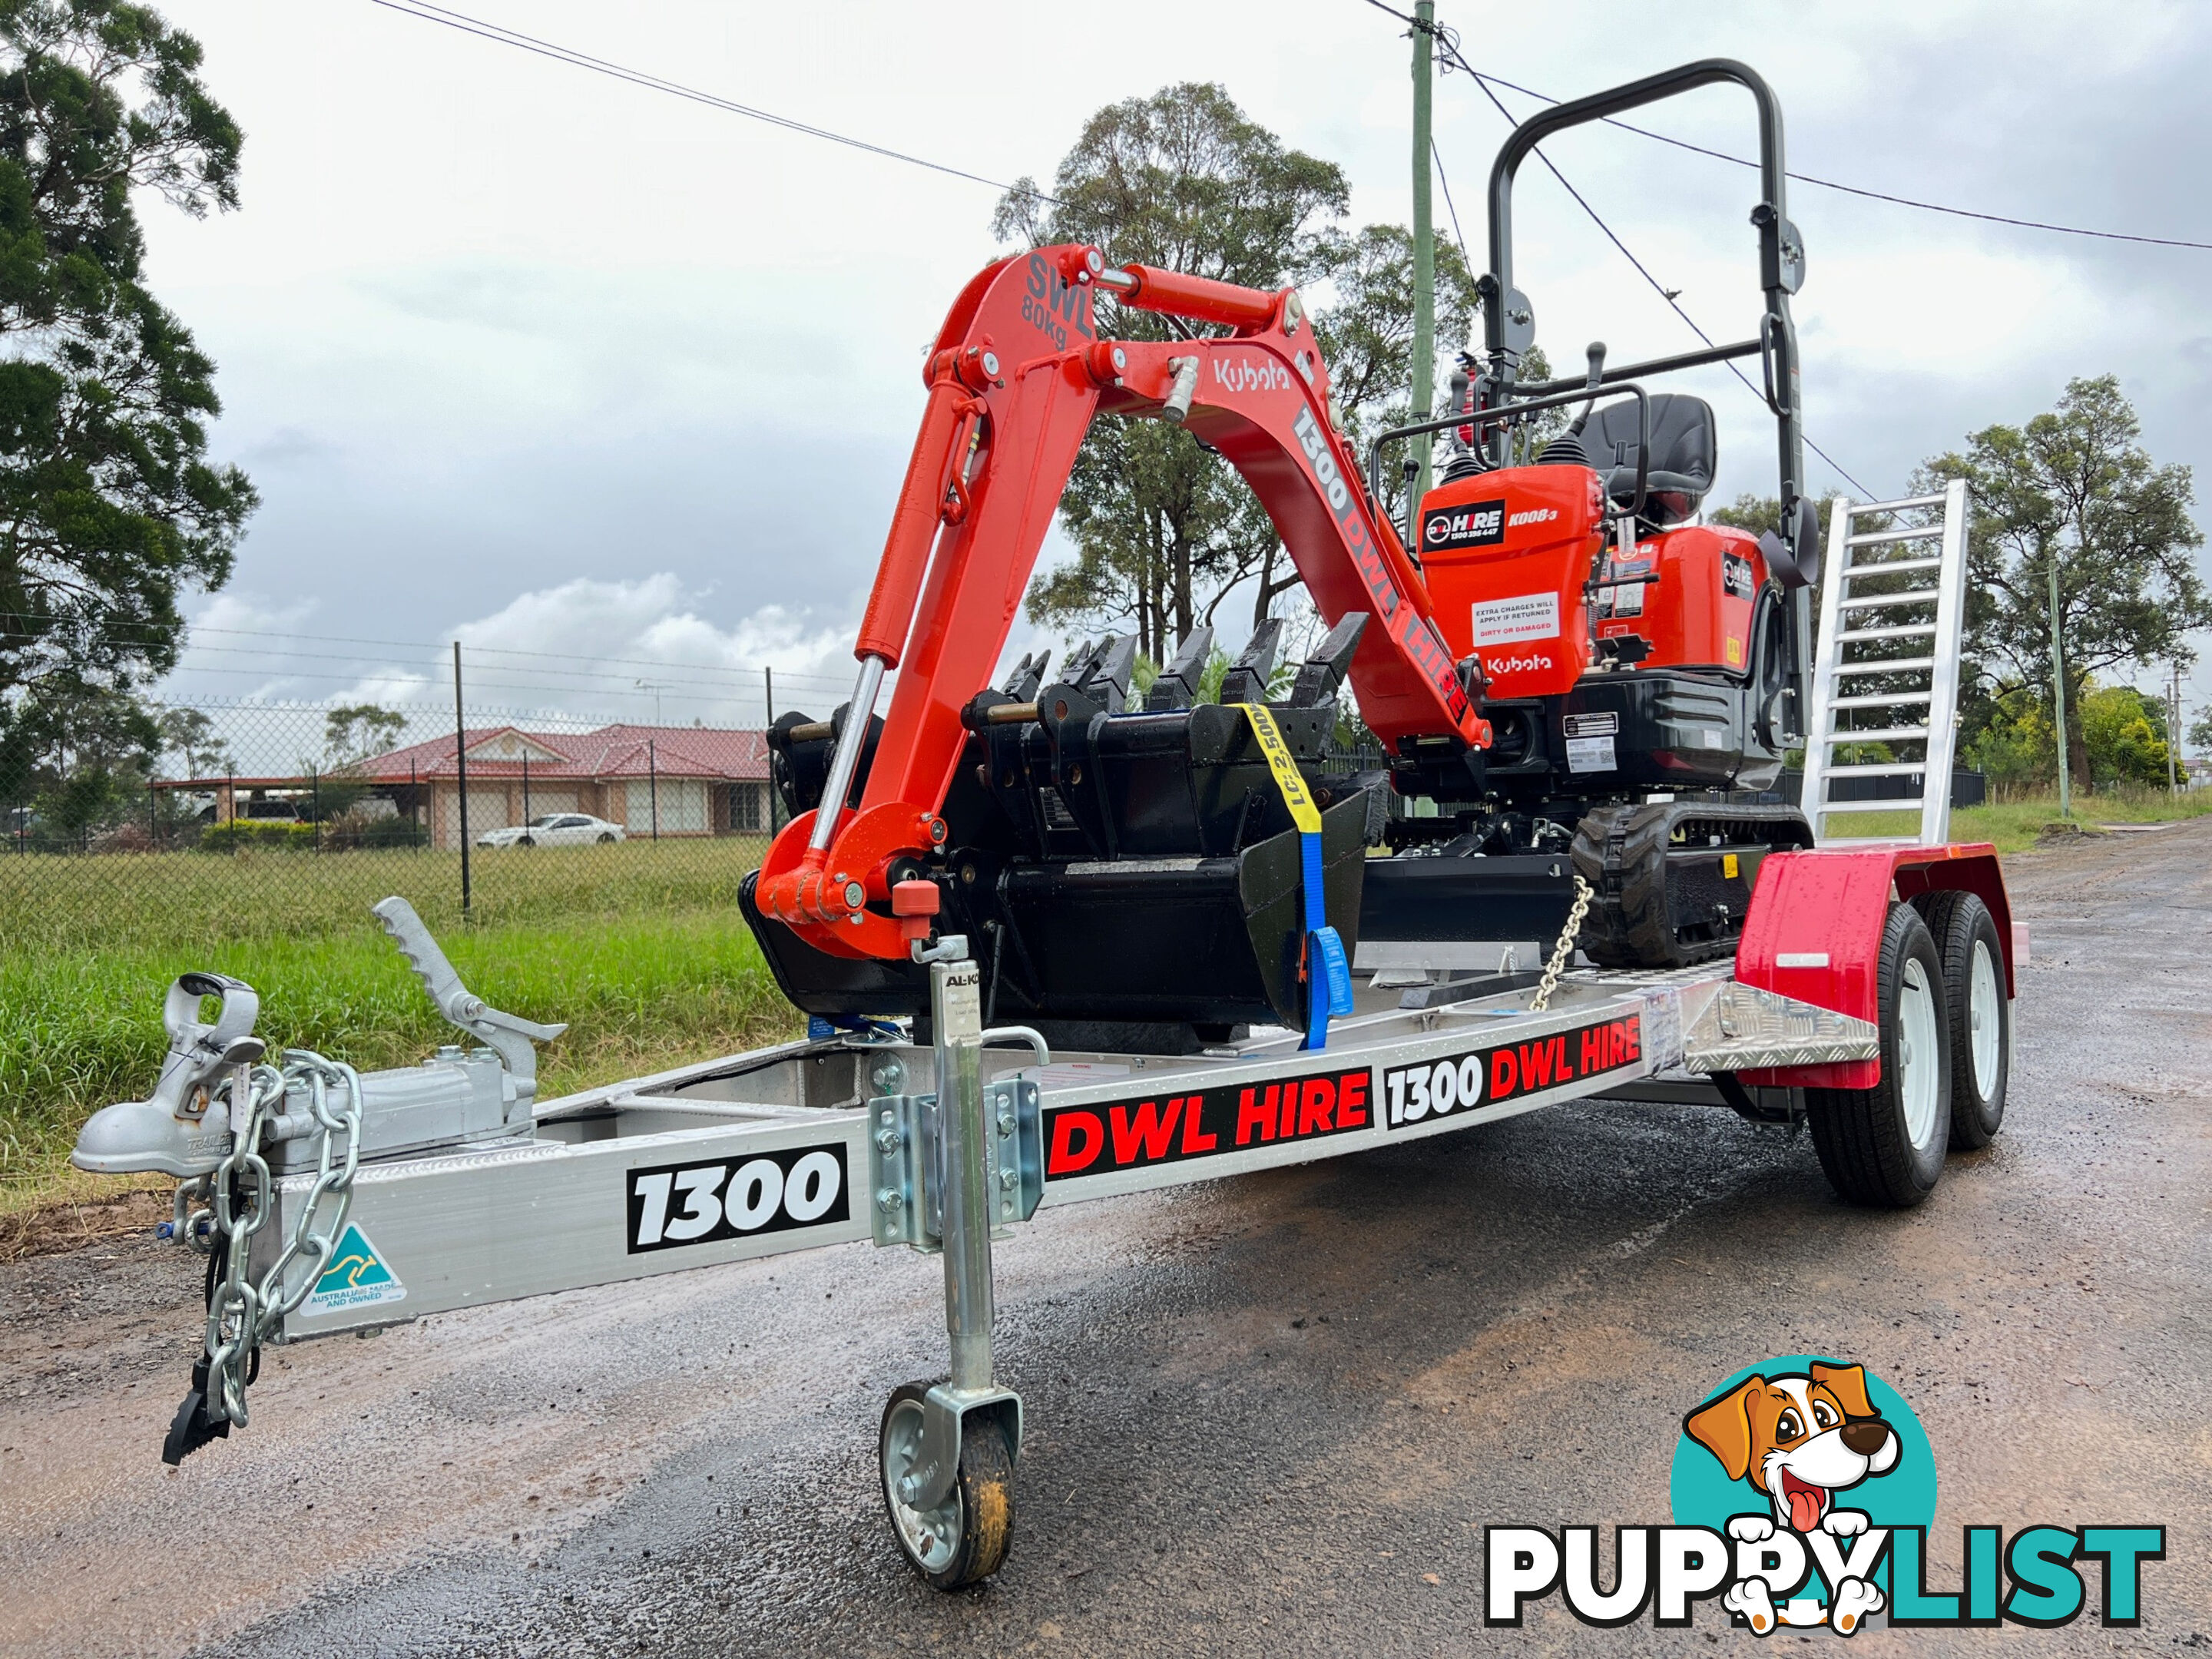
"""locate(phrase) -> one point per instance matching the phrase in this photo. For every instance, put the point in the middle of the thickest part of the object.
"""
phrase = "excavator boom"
(1016, 375)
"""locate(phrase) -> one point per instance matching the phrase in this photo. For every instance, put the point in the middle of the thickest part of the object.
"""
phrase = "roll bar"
(1509, 321)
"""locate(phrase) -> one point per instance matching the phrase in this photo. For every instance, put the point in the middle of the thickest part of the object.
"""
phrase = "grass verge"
(2015, 826)
(80, 1025)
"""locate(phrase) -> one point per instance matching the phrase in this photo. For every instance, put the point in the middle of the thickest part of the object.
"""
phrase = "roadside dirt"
(1269, 1415)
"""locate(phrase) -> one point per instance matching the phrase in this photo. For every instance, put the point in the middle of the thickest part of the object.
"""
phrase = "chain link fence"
(239, 809)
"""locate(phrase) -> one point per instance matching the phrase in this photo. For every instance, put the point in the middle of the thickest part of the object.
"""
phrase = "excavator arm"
(1015, 378)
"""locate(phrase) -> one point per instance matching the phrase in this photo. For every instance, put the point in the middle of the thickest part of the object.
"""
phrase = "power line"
(151, 633)
(1809, 179)
(1458, 236)
(425, 12)
(1450, 42)
(1871, 195)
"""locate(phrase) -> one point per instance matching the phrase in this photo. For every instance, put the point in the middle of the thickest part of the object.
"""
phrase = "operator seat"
(1683, 451)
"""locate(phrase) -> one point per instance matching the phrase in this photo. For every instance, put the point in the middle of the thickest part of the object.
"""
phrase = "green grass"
(2015, 826)
(644, 955)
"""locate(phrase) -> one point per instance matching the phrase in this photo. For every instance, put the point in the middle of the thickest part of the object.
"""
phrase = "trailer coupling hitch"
(271, 1149)
(186, 1126)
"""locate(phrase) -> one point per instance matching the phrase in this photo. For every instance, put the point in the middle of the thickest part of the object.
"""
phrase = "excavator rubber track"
(1674, 880)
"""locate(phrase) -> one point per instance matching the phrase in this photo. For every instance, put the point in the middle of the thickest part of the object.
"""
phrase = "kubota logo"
(1245, 375)
(1516, 664)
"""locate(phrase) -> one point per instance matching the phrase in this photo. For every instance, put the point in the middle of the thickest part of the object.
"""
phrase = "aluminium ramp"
(1884, 700)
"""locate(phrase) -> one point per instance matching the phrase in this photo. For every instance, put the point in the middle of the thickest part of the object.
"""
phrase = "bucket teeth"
(1028, 675)
(1106, 671)
(1331, 661)
(1177, 684)
(1248, 677)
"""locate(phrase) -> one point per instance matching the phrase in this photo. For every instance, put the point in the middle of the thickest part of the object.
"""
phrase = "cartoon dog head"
(1800, 1438)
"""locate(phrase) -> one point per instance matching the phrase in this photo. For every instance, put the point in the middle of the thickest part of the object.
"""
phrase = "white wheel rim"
(1985, 1020)
(1918, 1078)
(930, 1537)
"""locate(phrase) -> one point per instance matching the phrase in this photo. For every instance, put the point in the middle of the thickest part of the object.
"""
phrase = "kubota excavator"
(1147, 876)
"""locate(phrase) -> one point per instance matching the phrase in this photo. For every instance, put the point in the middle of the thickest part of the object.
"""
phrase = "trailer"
(1870, 1003)
(1594, 691)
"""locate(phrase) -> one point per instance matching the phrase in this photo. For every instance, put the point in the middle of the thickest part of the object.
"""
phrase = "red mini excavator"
(1148, 874)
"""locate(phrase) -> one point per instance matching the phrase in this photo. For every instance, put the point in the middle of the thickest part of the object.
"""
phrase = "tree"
(354, 732)
(2124, 734)
(2075, 488)
(2200, 731)
(1182, 179)
(109, 508)
(79, 754)
(1757, 513)
(193, 736)
(1165, 529)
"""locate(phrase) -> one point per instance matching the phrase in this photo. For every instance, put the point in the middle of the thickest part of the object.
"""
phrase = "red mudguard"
(1815, 932)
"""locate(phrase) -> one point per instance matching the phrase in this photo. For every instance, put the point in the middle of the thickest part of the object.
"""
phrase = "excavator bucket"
(1127, 871)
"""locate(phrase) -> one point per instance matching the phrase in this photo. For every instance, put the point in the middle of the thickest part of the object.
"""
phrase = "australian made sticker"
(357, 1276)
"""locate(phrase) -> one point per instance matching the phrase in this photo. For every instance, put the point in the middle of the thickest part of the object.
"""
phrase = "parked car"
(553, 829)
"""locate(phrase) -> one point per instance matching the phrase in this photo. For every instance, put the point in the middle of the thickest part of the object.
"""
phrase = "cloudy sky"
(559, 365)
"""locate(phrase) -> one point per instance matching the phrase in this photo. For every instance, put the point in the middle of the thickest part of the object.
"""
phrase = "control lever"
(511, 1037)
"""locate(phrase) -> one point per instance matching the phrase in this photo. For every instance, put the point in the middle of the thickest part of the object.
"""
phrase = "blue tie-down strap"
(1329, 975)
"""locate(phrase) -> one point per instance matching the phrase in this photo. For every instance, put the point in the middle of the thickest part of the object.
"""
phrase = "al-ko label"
(766, 1192)
(1527, 617)
(1479, 524)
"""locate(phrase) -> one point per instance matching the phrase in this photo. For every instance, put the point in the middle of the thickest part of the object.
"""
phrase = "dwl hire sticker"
(357, 1278)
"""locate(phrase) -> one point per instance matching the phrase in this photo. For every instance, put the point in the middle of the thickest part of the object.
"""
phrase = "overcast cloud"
(550, 363)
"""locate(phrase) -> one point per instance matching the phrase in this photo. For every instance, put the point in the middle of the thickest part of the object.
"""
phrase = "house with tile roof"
(654, 780)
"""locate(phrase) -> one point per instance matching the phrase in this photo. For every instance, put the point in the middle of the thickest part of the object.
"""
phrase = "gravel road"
(1268, 1415)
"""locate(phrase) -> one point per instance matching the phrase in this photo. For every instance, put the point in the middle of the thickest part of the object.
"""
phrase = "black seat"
(1683, 451)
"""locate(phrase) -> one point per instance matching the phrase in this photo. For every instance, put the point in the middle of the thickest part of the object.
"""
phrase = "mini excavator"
(1590, 684)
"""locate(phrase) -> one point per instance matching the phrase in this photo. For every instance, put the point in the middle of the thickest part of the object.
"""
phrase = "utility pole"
(1424, 246)
(2058, 692)
(461, 772)
(773, 828)
(2173, 730)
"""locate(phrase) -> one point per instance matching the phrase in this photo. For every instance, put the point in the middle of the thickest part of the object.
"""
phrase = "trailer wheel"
(1981, 1014)
(964, 1540)
(1884, 1146)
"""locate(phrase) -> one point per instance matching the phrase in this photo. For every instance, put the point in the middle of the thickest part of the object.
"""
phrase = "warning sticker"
(1527, 617)
(358, 1277)
(1591, 754)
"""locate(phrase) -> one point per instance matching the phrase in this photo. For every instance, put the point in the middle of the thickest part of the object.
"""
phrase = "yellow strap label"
(1303, 813)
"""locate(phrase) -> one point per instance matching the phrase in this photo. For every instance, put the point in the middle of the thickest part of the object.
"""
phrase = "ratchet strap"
(1328, 975)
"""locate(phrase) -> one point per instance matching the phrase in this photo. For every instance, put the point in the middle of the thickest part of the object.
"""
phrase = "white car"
(554, 830)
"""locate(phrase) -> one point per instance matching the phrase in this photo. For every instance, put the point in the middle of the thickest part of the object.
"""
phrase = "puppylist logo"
(1802, 1492)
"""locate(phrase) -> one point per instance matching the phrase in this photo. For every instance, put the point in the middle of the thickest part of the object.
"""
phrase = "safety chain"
(241, 1312)
(1564, 948)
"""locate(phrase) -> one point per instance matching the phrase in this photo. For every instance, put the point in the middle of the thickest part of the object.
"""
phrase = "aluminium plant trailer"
(1870, 983)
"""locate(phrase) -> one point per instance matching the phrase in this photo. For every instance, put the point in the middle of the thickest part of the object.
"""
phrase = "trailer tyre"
(964, 1539)
(1884, 1146)
(1981, 1014)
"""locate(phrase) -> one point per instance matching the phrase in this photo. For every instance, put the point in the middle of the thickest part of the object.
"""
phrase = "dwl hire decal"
(1803, 1490)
